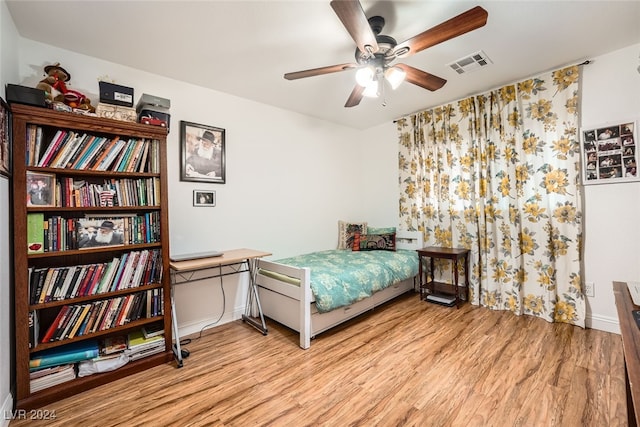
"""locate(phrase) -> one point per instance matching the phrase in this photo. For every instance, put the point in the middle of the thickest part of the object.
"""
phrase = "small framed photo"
(609, 152)
(41, 189)
(5, 137)
(202, 153)
(204, 198)
(100, 232)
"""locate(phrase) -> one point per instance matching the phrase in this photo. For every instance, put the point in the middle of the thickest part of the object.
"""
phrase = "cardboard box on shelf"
(109, 111)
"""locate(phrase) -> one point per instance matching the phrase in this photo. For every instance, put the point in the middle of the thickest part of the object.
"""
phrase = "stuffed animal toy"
(54, 84)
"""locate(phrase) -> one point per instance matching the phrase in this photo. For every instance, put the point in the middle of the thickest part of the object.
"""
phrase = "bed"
(287, 288)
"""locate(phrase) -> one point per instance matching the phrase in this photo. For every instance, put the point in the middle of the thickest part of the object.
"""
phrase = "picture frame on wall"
(5, 138)
(41, 189)
(204, 198)
(609, 152)
(202, 153)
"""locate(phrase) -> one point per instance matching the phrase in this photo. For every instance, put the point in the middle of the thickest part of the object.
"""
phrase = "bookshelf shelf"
(76, 252)
(104, 295)
(136, 324)
(65, 281)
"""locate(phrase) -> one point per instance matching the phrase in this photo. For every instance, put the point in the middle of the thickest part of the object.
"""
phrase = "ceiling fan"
(376, 52)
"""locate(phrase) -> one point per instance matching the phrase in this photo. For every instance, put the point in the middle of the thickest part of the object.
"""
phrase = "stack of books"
(139, 346)
(49, 377)
(57, 365)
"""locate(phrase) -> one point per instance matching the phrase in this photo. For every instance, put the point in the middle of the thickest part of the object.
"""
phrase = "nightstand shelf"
(439, 292)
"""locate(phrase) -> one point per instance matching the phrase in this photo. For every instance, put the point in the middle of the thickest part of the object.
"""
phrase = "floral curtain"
(498, 173)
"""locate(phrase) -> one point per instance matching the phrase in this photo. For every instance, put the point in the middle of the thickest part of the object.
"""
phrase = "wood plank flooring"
(407, 363)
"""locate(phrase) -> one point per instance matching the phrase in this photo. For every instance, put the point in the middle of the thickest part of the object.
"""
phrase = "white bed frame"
(294, 306)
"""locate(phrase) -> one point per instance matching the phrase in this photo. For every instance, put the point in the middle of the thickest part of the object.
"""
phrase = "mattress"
(341, 277)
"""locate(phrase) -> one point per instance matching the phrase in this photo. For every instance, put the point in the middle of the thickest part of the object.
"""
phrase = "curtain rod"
(585, 62)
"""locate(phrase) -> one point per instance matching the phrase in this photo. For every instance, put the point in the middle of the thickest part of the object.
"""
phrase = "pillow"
(346, 231)
(380, 230)
(378, 242)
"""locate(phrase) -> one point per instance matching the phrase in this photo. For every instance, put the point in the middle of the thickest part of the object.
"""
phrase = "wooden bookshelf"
(142, 220)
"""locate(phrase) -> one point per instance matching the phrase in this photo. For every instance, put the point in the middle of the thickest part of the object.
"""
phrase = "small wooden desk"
(428, 287)
(239, 261)
(631, 349)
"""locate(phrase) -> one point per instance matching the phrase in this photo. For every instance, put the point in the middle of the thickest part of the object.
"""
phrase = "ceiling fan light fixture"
(365, 75)
(371, 90)
(395, 76)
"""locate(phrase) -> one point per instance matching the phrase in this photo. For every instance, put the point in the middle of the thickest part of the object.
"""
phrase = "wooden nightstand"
(440, 292)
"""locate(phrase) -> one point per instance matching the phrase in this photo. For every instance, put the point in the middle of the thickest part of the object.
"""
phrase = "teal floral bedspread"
(342, 277)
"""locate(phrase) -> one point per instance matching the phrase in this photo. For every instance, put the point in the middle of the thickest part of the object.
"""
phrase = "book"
(101, 307)
(105, 312)
(70, 149)
(119, 316)
(143, 161)
(114, 344)
(57, 286)
(69, 353)
(93, 150)
(84, 152)
(153, 330)
(35, 233)
(69, 322)
(76, 321)
(146, 352)
(34, 329)
(96, 278)
(135, 156)
(107, 148)
(85, 141)
(86, 280)
(54, 325)
(126, 154)
(46, 285)
(49, 377)
(106, 163)
(31, 144)
(64, 290)
(107, 277)
(53, 146)
(64, 147)
(78, 280)
(137, 342)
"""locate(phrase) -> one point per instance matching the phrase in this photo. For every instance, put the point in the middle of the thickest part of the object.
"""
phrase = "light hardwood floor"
(407, 363)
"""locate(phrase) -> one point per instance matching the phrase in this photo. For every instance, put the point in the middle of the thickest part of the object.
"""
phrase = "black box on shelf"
(114, 94)
(154, 116)
(25, 95)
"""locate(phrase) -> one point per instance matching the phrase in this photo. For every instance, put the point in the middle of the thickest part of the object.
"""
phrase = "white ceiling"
(245, 47)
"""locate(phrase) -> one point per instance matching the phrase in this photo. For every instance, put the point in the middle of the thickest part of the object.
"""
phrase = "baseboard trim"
(7, 411)
(603, 323)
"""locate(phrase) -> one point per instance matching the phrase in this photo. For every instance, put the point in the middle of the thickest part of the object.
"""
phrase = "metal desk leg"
(252, 295)
(177, 351)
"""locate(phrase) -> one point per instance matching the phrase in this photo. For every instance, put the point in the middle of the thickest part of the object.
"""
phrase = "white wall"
(8, 73)
(611, 93)
(289, 178)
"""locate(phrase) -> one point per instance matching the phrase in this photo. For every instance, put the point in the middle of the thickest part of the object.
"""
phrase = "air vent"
(470, 62)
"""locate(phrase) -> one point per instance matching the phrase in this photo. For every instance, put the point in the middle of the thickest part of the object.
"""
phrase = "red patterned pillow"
(346, 231)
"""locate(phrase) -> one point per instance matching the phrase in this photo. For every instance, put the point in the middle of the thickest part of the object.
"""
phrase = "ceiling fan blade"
(319, 71)
(355, 21)
(468, 21)
(421, 78)
(355, 97)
